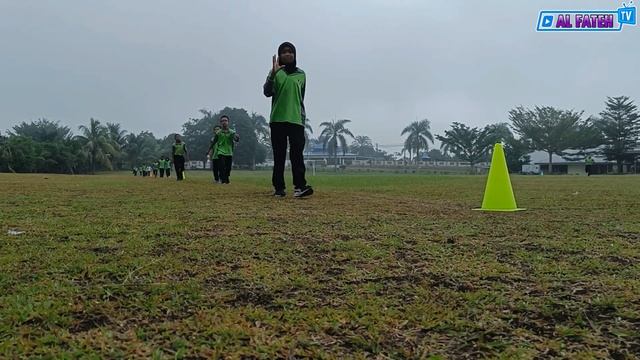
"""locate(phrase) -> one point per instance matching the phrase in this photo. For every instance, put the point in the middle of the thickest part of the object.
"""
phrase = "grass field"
(380, 266)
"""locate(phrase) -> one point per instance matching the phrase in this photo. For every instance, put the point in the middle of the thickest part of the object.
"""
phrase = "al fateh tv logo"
(587, 20)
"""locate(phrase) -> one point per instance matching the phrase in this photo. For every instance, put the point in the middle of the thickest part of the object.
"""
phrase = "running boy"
(225, 143)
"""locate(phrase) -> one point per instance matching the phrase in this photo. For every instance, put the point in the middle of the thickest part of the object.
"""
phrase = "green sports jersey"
(224, 142)
(287, 96)
(179, 149)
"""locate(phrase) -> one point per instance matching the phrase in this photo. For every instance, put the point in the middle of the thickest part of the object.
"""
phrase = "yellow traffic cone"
(498, 194)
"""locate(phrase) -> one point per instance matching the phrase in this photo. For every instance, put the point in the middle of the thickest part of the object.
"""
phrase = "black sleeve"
(267, 88)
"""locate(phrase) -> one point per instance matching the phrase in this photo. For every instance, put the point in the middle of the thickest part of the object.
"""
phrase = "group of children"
(161, 167)
(220, 152)
(286, 86)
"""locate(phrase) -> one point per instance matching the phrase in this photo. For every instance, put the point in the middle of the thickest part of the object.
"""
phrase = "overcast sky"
(152, 64)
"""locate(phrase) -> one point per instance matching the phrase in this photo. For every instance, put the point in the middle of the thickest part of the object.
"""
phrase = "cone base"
(500, 210)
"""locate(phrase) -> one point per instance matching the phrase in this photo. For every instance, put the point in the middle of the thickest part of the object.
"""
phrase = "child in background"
(213, 154)
(179, 151)
(161, 167)
(167, 167)
(225, 144)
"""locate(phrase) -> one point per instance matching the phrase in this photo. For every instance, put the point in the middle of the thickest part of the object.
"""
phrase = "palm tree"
(360, 143)
(407, 149)
(141, 148)
(402, 154)
(117, 137)
(116, 134)
(96, 144)
(333, 134)
(308, 130)
(419, 135)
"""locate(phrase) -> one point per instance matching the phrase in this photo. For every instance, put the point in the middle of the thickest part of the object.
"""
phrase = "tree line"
(614, 134)
(48, 146)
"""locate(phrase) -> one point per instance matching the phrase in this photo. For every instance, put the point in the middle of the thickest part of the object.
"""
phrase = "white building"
(571, 167)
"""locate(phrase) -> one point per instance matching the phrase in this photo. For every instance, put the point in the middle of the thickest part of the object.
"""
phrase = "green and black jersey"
(179, 149)
(287, 96)
(224, 142)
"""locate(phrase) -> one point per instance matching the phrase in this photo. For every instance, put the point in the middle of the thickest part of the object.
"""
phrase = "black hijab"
(289, 68)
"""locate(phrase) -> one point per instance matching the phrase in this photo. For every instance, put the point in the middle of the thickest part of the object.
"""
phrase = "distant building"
(317, 154)
(194, 164)
(571, 167)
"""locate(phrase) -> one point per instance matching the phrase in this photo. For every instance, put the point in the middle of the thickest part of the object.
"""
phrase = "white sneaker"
(305, 191)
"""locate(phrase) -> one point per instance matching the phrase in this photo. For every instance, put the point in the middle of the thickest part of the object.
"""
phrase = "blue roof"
(317, 150)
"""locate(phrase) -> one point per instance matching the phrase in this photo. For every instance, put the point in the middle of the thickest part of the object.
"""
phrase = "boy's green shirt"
(179, 149)
(224, 142)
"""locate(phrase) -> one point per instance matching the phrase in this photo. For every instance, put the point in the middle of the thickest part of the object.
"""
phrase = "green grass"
(372, 265)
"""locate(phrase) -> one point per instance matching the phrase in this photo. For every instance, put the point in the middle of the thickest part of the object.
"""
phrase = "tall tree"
(407, 148)
(418, 136)
(547, 129)
(333, 134)
(496, 133)
(516, 153)
(52, 144)
(141, 149)
(620, 128)
(164, 145)
(466, 143)
(516, 150)
(361, 144)
(263, 139)
(198, 133)
(42, 130)
(117, 137)
(5, 154)
(97, 145)
(20, 154)
(308, 131)
(116, 134)
(260, 126)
